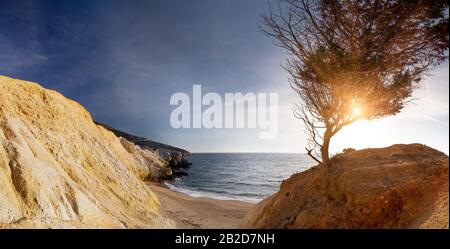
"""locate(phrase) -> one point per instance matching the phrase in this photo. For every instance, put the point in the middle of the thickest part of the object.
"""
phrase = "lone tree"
(352, 60)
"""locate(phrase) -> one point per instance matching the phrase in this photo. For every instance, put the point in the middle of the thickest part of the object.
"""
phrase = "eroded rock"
(402, 186)
(59, 169)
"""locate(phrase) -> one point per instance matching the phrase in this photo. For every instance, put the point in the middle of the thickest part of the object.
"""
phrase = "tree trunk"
(325, 146)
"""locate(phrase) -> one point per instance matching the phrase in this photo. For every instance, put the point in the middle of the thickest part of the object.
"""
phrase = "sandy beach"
(198, 212)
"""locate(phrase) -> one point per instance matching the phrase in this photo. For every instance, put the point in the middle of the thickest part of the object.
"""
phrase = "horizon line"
(244, 152)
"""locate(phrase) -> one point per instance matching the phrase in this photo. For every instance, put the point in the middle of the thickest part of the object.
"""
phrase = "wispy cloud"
(14, 58)
(124, 60)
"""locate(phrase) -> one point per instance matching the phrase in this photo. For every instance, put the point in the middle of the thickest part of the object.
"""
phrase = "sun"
(356, 111)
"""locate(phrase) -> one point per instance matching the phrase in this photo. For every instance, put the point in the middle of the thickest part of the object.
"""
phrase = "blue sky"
(124, 59)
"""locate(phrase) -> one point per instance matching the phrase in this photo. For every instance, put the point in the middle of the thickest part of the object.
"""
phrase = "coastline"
(199, 212)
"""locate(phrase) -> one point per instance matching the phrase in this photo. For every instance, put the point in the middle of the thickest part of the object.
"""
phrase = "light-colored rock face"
(152, 166)
(59, 169)
(402, 186)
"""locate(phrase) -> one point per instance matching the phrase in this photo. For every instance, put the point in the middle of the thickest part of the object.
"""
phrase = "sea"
(248, 177)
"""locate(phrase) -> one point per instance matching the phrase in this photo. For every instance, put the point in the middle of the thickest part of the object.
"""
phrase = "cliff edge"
(59, 169)
(173, 157)
(401, 186)
(143, 142)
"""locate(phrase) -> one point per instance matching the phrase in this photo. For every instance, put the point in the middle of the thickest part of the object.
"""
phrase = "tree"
(351, 60)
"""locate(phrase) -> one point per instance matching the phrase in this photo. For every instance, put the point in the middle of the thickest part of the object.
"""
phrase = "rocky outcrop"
(402, 186)
(59, 169)
(145, 143)
(155, 168)
(173, 158)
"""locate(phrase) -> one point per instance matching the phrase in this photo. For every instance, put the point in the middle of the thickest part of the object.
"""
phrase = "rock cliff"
(59, 169)
(173, 158)
(145, 143)
(402, 186)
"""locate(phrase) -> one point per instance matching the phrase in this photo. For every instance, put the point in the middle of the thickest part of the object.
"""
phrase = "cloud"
(431, 99)
(14, 58)
(123, 62)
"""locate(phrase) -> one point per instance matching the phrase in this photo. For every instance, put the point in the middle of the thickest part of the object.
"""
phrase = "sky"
(123, 60)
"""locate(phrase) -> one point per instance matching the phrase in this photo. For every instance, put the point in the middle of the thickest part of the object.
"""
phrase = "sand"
(198, 212)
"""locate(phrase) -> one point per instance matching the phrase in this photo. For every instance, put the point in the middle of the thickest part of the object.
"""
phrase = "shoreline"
(199, 212)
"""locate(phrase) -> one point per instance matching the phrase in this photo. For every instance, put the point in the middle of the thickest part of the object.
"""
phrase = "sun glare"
(356, 111)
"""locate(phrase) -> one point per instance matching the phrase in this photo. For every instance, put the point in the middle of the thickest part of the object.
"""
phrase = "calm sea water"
(238, 176)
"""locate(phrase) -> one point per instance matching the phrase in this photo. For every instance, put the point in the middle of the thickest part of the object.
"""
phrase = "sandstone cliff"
(145, 143)
(172, 157)
(59, 169)
(402, 186)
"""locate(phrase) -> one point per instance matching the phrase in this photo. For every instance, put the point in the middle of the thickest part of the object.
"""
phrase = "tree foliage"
(353, 59)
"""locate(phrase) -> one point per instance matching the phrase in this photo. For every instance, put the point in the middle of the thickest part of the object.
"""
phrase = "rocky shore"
(174, 160)
(58, 169)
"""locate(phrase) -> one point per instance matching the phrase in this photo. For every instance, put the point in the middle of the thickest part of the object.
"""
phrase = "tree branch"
(309, 153)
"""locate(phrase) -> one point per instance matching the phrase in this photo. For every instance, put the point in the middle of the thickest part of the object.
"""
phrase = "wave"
(252, 184)
(211, 195)
(243, 177)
